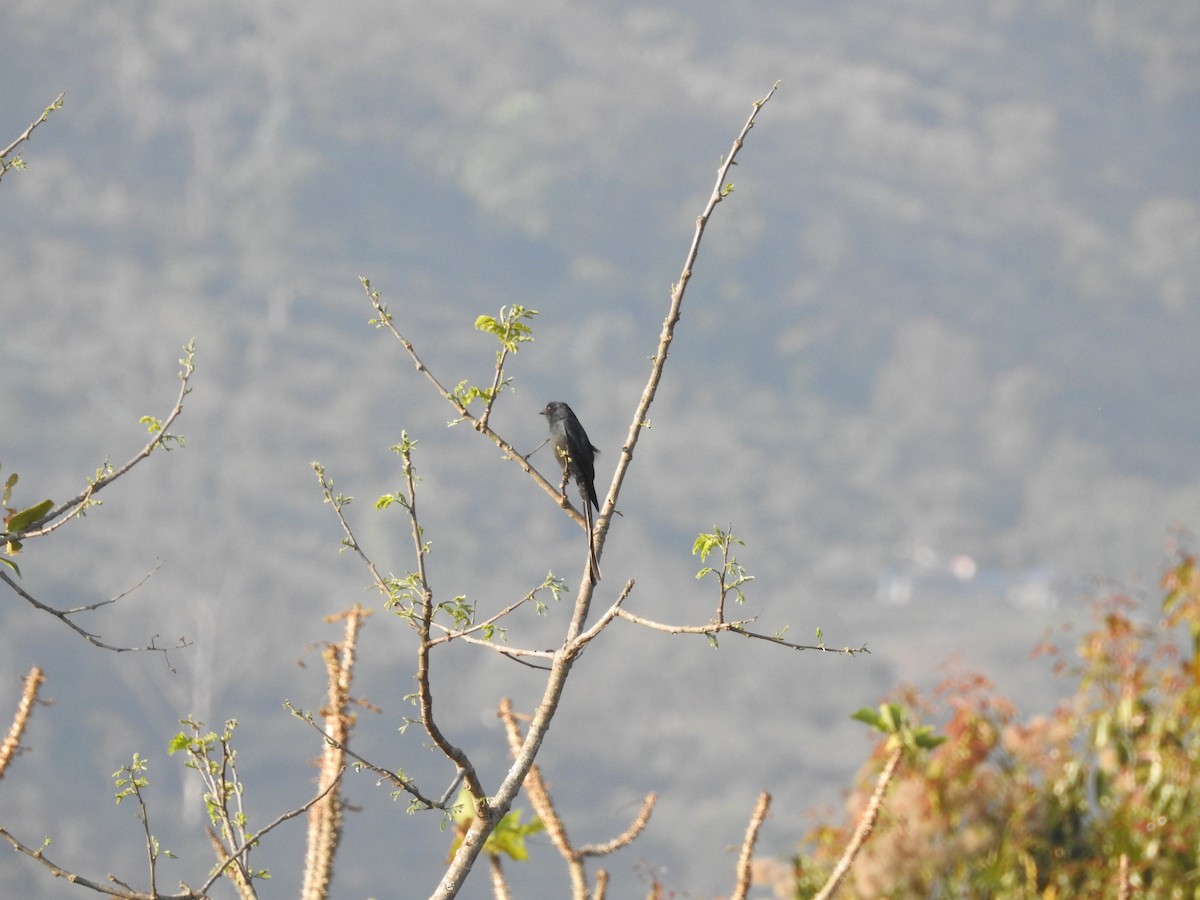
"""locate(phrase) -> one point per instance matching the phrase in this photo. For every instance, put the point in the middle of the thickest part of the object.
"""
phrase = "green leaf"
(179, 742)
(870, 717)
(892, 720)
(21, 520)
(704, 545)
(925, 739)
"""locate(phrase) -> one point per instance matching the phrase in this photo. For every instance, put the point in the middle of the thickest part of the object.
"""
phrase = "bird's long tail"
(593, 563)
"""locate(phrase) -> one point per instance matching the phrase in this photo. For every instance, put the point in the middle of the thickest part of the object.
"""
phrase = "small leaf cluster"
(18, 520)
(508, 837)
(731, 574)
(893, 720)
(509, 328)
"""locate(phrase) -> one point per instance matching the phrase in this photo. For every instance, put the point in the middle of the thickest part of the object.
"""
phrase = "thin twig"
(350, 541)
(845, 651)
(27, 134)
(144, 815)
(746, 857)
(494, 393)
(737, 628)
(611, 613)
(453, 634)
(65, 512)
(708, 628)
(255, 838)
(629, 835)
(513, 653)
(64, 616)
(91, 607)
(404, 784)
(59, 872)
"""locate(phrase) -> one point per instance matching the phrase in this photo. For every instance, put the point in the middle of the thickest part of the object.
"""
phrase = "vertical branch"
(12, 740)
(424, 638)
(720, 191)
(747, 855)
(325, 816)
(865, 825)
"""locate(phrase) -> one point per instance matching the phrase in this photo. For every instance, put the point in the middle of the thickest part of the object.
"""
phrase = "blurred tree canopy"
(1100, 798)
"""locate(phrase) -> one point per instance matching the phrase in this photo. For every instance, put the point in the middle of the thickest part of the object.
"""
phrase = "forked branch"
(564, 659)
(543, 806)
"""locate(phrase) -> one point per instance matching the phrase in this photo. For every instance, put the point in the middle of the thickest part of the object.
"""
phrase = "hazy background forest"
(938, 370)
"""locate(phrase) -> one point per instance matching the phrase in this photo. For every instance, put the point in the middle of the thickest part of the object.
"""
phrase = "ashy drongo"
(578, 458)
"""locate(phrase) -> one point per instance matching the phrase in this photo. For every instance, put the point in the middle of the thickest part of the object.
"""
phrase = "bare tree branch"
(325, 818)
(626, 837)
(65, 616)
(733, 627)
(398, 781)
(746, 857)
(12, 740)
(866, 824)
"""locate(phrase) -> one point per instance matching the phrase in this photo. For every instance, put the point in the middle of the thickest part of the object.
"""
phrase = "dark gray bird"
(578, 458)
